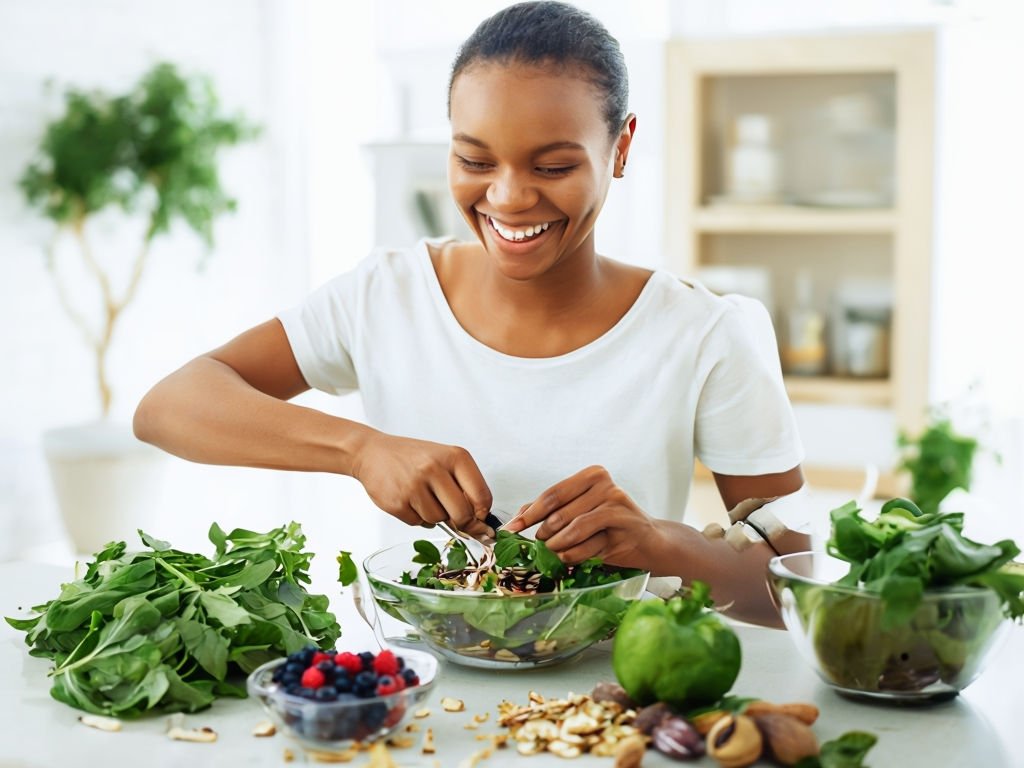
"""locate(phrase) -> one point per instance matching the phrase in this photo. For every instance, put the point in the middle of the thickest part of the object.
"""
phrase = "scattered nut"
(318, 756)
(264, 729)
(198, 735)
(419, 714)
(650, 717)
(677, 739)
(412, 728)
(288, 755)
(612, 692)
(630, 752)
(448, 704)
(380, 757)
(100, 722)
(481, 719)
(787, 739)
(735, 742)
(504, 654)
(805, 713)
(564, 749)
(706, 721)
(428, 742)
(400, 742)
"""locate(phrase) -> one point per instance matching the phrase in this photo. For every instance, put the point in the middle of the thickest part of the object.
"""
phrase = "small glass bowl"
(494, 631)
(332, 726)
(838, 630)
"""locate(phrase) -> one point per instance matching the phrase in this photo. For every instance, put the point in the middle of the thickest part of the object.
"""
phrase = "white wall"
(320, 77)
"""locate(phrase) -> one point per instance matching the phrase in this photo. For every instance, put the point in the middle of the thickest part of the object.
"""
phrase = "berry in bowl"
(519, 607)
(327, 700)
(904, 608)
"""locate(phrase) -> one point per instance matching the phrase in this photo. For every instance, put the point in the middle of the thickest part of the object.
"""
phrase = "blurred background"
(856, 165)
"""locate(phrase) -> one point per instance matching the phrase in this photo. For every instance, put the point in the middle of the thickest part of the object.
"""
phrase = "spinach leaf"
(163, 630)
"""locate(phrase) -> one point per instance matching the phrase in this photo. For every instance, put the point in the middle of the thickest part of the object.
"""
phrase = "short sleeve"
(320, 333)
(744, 423)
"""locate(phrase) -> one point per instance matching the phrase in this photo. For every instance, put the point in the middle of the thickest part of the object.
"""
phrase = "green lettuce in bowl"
(523, 609)
(904, 607)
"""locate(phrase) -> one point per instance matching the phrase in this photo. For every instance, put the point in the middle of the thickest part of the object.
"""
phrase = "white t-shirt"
(683, 373)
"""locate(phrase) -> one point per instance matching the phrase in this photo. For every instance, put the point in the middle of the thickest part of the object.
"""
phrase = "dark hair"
(552, 33)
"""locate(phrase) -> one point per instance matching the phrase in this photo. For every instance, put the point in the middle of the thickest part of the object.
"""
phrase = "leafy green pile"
(848, 751)
(165, 630)
(905, 551)
(511, 551)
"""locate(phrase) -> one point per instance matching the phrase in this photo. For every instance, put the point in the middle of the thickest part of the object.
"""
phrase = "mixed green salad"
(544, 615)
(925, 628)
(161, 630)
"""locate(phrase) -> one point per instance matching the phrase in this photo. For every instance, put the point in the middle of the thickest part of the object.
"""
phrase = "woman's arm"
(230, 406)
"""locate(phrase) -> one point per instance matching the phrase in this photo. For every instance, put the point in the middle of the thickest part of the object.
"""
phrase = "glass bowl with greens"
(903, 608)
(520, 607)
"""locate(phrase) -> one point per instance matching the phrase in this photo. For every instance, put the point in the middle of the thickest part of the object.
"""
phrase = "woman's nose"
(512, 191)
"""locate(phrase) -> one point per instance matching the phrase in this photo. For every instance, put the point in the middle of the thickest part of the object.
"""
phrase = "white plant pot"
(106, 481)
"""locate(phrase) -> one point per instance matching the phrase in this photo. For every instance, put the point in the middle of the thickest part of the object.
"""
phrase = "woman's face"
(530, 163)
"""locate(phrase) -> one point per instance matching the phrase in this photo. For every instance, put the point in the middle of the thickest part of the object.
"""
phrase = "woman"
(523, 370)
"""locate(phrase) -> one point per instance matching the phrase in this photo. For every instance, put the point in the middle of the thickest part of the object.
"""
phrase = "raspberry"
(312, 678)
(318, 657)
(385, 663)
(350, 662)
(399, 683)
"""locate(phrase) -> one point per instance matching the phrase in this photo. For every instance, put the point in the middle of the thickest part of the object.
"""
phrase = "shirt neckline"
(455, 327)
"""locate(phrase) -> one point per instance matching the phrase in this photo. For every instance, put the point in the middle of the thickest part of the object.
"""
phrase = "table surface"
(979, 728)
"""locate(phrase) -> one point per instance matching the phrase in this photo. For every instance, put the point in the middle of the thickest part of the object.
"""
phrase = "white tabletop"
(980, 728)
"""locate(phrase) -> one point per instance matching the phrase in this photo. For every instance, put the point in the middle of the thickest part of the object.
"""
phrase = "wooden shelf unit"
(698, 233)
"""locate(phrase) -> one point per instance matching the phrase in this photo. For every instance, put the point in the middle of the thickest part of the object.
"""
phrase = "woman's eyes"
(544, 170)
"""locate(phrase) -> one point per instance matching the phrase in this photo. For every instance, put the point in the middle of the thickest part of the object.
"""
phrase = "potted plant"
(152, 153)
(939, 460)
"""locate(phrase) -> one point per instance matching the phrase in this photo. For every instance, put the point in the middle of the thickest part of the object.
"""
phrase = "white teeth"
(518, 235)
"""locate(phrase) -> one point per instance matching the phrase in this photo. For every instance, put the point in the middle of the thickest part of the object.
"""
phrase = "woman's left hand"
(588, 515)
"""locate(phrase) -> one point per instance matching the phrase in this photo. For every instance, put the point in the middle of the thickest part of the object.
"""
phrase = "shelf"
(792, 218)
(834, 390)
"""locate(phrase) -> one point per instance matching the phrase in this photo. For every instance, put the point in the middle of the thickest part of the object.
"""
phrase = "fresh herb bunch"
(165, 630)
(906, 551)
(511, 550)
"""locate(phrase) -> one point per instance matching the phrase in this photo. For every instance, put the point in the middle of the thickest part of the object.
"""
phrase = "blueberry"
(329, 670)
(292, 688)
(367, 659)
(374, 714)
(385, 680)
(326, 693)
(294, 665)
(278, 671)
(306, 693)
(343, 685)
(401, 663)
(409, 675)
(365, 679)
(363, 692)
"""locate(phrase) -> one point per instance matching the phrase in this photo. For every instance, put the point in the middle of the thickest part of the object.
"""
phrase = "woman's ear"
(622, 144)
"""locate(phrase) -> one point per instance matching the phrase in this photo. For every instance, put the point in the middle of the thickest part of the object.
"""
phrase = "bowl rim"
(255, 687)
(474, 595)
(779, 567)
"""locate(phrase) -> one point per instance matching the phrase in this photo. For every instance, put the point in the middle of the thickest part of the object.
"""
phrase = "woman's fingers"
(558, 496)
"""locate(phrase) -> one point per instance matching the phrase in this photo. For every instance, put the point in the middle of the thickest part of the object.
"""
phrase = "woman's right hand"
(422, 483)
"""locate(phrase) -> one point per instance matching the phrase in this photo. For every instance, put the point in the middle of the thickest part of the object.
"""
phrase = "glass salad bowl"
(494, 630)
(336, 725)
(839, 630)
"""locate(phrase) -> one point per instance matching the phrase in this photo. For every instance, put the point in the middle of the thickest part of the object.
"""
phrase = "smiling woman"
(523, 370)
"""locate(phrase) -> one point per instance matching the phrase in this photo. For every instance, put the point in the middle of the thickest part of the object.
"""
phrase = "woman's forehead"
(536, 99)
